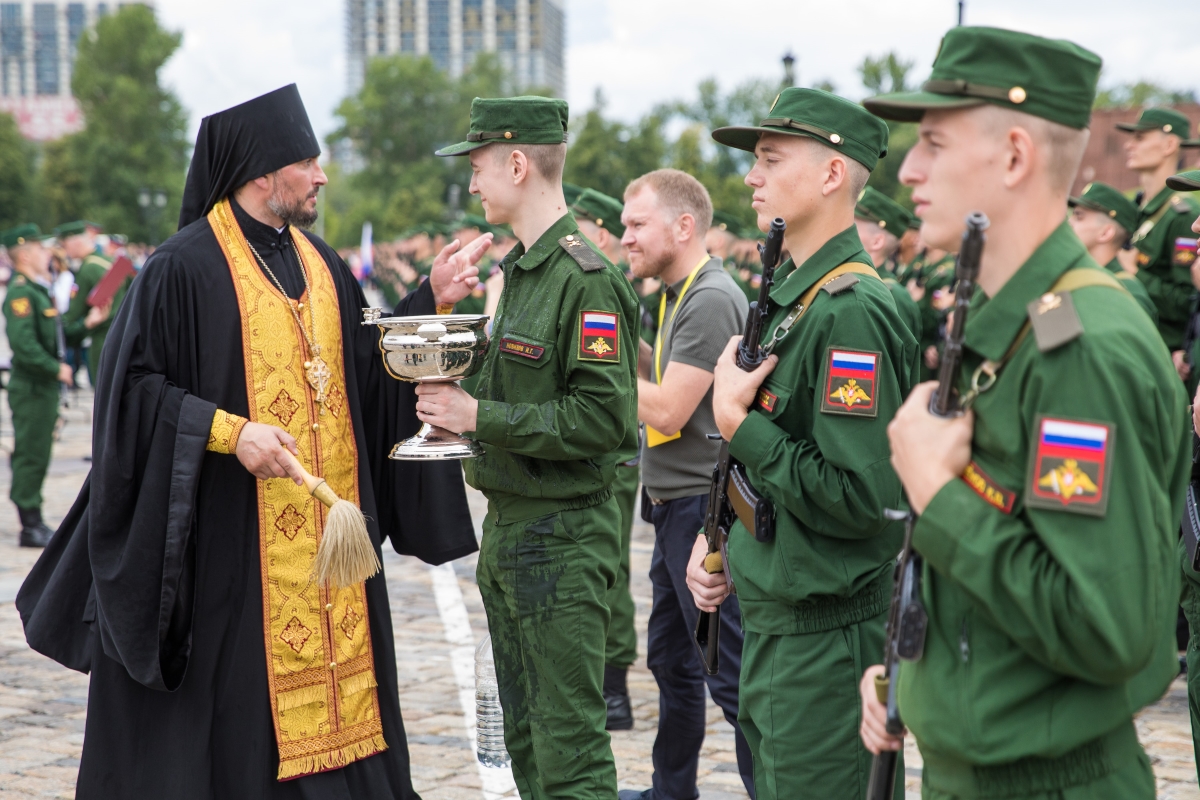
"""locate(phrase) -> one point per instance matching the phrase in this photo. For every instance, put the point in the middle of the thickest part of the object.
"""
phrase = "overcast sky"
(641, 52)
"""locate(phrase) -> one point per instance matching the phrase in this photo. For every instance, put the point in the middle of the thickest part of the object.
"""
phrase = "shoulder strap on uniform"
(578, 249)
(836, 281)
(1053, 317)
(1148, 224)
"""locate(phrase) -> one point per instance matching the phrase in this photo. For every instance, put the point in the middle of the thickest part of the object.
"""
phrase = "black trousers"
(672, 657)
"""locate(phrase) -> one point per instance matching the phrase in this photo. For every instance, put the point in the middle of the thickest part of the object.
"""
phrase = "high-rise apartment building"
(37, 50)
(528, 35)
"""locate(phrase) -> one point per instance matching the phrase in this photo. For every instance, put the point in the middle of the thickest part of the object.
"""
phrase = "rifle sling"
(806, 299)
(1069, 281)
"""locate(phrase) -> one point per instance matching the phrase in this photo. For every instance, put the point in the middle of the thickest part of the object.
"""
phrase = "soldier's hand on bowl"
(447, 406)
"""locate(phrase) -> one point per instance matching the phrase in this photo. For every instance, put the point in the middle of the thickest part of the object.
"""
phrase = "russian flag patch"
(850, 383)
(599, 338)
(1185, 252)
(1068, 468)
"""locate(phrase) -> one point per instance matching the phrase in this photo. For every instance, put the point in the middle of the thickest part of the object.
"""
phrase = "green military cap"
(515, 120)
(1167, 120)
(601, 209)
(831, 120)
(22, 234)
(1101, 197)
(75, 228)
(571, 192)
(877, 207)
(1049, 78)
(1185, 181)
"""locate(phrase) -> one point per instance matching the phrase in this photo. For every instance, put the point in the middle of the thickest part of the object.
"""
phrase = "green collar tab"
(1049, 78)
(831, 120)
(515, 120)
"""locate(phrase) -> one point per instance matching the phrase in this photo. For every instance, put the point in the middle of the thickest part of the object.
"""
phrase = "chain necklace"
(316, 371)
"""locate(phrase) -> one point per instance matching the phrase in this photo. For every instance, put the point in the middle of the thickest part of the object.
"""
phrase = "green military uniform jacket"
(1051, 576)
(908, 309)
(1135, 287)
(91, 271)
(1166, 249)
(824, 464)
(29, 316)
(557, 390)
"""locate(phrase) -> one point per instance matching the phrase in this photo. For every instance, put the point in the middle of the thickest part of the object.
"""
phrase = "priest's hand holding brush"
(345, 555)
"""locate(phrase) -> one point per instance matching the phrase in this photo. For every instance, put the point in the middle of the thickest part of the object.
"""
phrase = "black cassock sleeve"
(120, 565)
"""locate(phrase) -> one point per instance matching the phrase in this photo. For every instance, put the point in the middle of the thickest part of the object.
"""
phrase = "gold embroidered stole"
(321, 668)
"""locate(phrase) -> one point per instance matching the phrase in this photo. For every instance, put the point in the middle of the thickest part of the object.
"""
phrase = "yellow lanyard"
(653, 437)
(662, 313)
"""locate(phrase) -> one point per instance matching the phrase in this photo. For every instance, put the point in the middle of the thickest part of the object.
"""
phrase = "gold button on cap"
(1167, 128)
(508, 134)
(833, 137)
(1112, 212)
(1017, 95)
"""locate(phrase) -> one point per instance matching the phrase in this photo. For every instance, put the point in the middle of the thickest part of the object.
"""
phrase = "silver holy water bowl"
(432, 349)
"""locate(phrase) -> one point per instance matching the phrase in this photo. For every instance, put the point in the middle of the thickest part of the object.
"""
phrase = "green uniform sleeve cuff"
(754, 437)
(954, 509)
(491, 423)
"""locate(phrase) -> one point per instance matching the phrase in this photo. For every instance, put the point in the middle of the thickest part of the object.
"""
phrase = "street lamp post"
(789, 71)
(152, 202)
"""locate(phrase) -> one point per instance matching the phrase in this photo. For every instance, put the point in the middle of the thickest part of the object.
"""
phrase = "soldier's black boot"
(34, 532)
(616, 697)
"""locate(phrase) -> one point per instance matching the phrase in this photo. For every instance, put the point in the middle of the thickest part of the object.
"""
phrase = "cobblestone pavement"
(438, 616)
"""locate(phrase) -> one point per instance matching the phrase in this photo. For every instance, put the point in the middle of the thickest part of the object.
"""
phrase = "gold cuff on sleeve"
(226, 428)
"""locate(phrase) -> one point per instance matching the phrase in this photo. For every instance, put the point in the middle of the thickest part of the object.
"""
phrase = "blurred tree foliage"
(1141, 93)
(134, 138)
(16, 175)
(386, 171)
(135, 135)
(883, 75)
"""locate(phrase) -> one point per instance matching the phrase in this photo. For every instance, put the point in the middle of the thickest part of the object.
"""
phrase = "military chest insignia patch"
(1068, 468)
(850, 383)
(766, 401)
(531, 351)
(598, 336)
(1143, 260)
(992, 492)
(20, 306)
(1185, 252)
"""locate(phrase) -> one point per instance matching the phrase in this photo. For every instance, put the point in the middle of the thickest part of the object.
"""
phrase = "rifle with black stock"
(755, 511)
(907, 617)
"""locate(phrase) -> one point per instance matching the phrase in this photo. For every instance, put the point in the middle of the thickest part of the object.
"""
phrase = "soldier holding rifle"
(1048, 512)
(808, 425)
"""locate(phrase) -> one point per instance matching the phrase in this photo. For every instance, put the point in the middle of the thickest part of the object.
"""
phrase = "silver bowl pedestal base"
(434, 443)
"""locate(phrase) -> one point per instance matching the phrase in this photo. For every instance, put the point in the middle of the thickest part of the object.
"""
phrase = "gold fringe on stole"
(313, 633)
(331, 759)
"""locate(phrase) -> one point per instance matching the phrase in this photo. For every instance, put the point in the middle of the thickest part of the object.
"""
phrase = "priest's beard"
(291, 209)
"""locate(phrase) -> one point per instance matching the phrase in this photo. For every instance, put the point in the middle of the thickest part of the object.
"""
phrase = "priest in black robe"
(180, 579)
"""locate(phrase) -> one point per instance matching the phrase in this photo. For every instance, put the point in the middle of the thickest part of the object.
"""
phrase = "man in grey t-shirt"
(667, 214)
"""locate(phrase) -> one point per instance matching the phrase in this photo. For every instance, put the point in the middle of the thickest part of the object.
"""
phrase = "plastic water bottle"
(489, 716)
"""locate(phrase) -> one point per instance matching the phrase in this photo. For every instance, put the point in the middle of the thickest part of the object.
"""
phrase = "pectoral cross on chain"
(318, 375)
